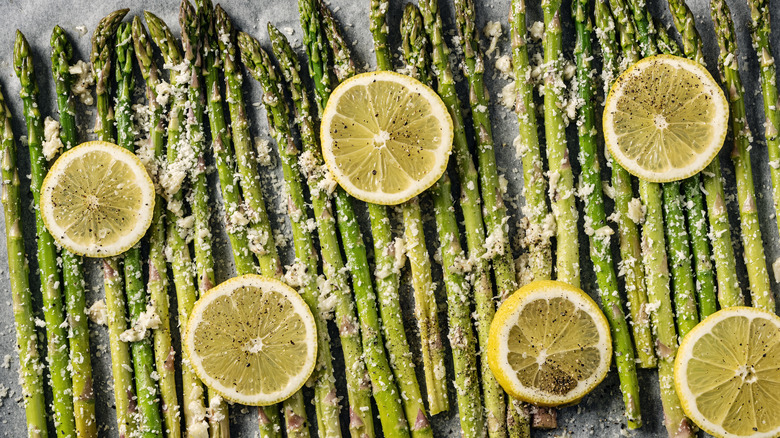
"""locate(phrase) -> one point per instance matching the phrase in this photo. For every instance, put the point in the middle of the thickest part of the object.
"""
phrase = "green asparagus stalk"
(192, 41)
(310, 162)
(30, 365)
(149, 419)
(387, 279)
(630, 248)
(720, 234)
(679, 253)
(599, 232)
(470, 203)
(534, 182)
(180, 257)
(262, 69)
(72, 272)
(760, 30)
(562, 179)
(424, 291)
(54, 316)
(260, 226)
(222, 144)
(222, 148)
(760, 291)
(462, 340)
(386, 394)
(157, 283)
(121, 363)
(657, 274)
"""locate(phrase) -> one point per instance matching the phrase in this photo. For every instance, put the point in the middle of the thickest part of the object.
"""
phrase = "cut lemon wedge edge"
(665, 118)
(386, 137)
(97, 199)
(727, 373)
(252, 339)
(549, 344)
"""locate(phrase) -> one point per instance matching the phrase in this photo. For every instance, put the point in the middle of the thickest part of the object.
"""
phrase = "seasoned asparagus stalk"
(54, 315)
(157, 283)
(760, 292)
(760, 30)
(462, 340)
(599, 232)
(310, 162)
(72, 273)
(149, 419)
(193, 404)
(30, 364)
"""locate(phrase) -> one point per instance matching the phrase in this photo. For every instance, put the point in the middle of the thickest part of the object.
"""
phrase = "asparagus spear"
(534, 182)
(149, 420)
(121, 363)
(461, 335)
(630, 249)
(30, 366)
(260, 226)
(262, 69)
(192, 41)
(386, 393)
(72, 273)
(222, 144)
(599, 232)
(657, 274)
(472, 213)
(173, 177)
(760, 30)
(387, 285)
(157, 283)
(562, 179)
(755, 260)
(720, 234)
(496, 216)
(310, 162)
(54, 316)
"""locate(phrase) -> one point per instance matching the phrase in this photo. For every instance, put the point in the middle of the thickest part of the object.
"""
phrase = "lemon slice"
(252, 340)
(727, 373)
(549, 344)
(97, 199)
(665, 118)
(386, 137)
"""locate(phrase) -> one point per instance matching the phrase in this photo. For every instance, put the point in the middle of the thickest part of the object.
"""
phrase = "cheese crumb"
(776, 270)
(263, 151)
(537, 30)
(98, 312)
(147, 320)
(636, 211)
(83, 79)
(493, 31)
(52, 144)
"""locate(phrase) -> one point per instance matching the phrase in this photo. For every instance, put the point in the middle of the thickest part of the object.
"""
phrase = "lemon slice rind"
(60, 182)
(685, 354)
(403, 166)
(696, 161)
(304, 364)
(509, 314)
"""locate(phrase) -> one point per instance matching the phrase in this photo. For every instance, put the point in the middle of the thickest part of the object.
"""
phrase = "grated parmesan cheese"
(52, 144)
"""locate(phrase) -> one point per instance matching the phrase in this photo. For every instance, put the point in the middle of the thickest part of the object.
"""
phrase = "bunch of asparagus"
(676, 279)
